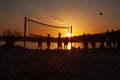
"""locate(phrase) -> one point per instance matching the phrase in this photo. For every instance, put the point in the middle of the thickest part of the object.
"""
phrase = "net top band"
(47, 24)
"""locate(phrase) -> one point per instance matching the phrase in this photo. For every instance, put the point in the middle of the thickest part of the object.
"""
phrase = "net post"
(25, 25)
(71, 37)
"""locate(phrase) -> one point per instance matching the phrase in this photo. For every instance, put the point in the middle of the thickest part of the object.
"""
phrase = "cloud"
(57, 20)
(50, 20)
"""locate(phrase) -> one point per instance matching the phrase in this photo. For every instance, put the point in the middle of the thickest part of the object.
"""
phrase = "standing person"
(118, 42)
(66, 42)
(118, 45)
(108, 40)
(102, 42)
(114, 41)
(0, 41)
(85, 42)
(93, 44)
(59, 42)
(48, 42)
(40, 42)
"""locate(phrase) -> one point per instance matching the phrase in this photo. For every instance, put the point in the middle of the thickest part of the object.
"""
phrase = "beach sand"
(64, 64)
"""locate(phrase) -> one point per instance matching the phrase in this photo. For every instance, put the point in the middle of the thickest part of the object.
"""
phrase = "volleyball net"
(37, 28)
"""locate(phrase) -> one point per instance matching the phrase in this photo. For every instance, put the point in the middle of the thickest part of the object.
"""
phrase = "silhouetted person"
(118, 42)
(85, 42)
(102, 42)
(93, 43)
(114, 42)
(113, 39)
(118, 45)
(40, 42)
(66, 42)
(108, 40)
(48, 42)
(59, 42)
(0, 42)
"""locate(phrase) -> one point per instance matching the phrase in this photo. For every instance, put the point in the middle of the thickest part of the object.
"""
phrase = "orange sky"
(83, 15)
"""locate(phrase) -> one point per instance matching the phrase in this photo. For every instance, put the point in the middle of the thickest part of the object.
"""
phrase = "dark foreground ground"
(59, 65)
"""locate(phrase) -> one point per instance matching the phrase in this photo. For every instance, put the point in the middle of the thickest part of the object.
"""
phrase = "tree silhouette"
(10, 37)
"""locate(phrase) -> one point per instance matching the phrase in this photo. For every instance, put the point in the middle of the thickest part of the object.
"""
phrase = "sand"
(64, 64)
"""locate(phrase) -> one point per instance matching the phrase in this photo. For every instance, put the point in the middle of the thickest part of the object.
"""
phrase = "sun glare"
(69, 35)
(69, 46)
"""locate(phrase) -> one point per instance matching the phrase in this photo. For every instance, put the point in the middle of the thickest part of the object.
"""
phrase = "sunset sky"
(83, 15)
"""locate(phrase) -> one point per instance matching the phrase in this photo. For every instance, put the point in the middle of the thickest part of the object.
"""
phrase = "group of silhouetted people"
(92, 40)
(59, 42)
(110, 40)
(66, 43)
(40, 42)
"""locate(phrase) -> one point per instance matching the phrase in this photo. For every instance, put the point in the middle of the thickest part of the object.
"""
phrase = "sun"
(69, 35)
